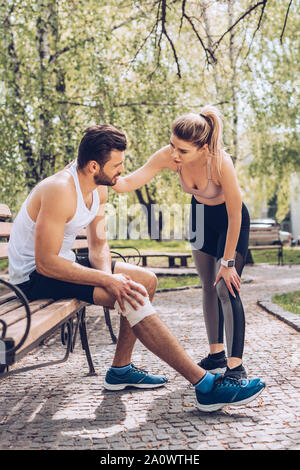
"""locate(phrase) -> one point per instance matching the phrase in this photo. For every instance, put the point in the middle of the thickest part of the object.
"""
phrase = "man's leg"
(211, 392)
(127, 338)
(151, 331)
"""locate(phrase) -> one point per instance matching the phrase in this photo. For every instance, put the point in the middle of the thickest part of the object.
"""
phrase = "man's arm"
(121, 285)
(54, 213)
(99, 252)
(56, 209)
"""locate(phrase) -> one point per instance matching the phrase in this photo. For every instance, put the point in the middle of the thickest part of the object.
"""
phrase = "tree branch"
(91, 39)
(264, 2)
(257, 27)
(162, 6)
(141, 103)
(209, 54)
(285, 21)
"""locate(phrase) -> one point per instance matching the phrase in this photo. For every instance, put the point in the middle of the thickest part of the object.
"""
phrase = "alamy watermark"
(156, 222)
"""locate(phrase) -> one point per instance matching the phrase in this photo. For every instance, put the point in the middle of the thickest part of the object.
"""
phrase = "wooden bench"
(172, 256)
(278, 247)
(24, 325)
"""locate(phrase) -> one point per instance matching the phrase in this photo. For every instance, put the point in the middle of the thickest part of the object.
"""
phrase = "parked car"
(267, 232)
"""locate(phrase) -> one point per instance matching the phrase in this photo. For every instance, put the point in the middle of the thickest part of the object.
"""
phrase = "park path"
(60, 408)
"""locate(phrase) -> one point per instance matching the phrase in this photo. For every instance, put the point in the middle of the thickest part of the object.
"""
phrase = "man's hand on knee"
(136, 315)
(123, 288)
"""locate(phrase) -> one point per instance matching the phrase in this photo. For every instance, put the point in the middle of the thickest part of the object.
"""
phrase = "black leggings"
(219, 306)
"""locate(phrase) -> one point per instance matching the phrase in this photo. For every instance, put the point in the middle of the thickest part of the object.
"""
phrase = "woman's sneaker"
(214, 363)
(228, 391)
(135, 377)
(236, 373)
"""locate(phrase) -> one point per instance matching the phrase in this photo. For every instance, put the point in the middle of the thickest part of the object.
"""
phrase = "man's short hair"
(98, 142)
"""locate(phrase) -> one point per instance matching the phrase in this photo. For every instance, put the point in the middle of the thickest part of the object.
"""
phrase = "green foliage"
(66, 64)
(274, 116)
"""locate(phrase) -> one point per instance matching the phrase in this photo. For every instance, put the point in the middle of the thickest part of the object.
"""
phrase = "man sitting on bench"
(43, 265)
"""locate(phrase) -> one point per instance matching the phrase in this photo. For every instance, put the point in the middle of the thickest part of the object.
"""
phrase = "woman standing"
(206, 171)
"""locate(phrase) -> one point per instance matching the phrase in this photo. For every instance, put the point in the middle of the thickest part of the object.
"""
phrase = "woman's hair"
(98, 142)
(201, 129)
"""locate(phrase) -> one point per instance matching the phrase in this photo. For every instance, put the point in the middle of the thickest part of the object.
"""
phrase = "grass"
(3, 264)
(152, 245)
(168, 282)
(289, 301)
(290, 256)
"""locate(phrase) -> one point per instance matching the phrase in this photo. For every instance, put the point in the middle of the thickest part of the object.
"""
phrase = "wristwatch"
(229, 263)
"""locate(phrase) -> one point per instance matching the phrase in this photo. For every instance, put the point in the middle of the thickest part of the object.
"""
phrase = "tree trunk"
(46, 158)
(13, 66)
(205, 7)
(154, 224)
(233, 61)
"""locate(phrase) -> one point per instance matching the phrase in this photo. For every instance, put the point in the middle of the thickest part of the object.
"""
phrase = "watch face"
(231, 263)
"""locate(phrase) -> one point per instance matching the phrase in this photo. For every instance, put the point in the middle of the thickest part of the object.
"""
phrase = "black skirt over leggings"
(215, 229)
(220, 308)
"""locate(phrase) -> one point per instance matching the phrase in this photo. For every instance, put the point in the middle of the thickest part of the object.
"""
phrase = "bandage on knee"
(135, 316)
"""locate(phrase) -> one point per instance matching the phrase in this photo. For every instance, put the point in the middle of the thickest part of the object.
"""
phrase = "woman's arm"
(233, 201)
(157, 162)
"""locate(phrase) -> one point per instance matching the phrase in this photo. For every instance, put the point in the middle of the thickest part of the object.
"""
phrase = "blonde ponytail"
(201, 129)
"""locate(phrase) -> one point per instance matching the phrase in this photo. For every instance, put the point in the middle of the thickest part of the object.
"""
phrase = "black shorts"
(215, 225)
(42, 287)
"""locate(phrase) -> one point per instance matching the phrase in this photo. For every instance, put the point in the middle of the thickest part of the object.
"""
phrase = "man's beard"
(102, 179)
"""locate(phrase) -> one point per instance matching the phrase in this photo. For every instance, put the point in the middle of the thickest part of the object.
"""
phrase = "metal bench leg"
(280, 256)
(108, 323)
(85, 343)
(183, 261)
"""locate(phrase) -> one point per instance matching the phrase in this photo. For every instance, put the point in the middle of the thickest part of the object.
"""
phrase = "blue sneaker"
(135, 377)
(229, 391)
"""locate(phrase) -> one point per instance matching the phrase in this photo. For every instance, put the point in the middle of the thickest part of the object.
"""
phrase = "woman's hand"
(230, 277)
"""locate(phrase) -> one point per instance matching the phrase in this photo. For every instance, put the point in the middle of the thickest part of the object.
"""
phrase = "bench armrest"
(7, 344)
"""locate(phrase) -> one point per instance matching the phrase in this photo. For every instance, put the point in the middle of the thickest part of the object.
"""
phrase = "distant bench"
(81, 246)
(172, 257)
(278, 247)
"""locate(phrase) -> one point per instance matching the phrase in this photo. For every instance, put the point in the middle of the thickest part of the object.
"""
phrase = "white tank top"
(21, 253)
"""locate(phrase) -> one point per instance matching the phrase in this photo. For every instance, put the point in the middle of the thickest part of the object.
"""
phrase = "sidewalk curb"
(171, 289)
(197, 286)
(292, 319)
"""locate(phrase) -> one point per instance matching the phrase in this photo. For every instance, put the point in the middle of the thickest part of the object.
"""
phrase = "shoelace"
(138, 369)
(228, 381)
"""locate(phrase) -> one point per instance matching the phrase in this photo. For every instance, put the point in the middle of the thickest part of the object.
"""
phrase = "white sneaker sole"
(116, 387)
(218, 406)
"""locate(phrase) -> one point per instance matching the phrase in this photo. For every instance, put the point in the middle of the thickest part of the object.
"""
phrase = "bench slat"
(15, 314)
(6, 297)
(4, 212)
(43, 321)
(265, 247)
(9, 305)
(5, 229)
(169, 254)
(3, 251)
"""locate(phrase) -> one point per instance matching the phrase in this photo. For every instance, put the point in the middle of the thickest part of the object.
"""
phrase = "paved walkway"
(60, 408)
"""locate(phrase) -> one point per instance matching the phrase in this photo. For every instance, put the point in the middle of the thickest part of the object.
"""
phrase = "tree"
(138, 64)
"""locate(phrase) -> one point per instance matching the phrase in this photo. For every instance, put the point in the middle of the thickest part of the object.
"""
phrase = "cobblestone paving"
(60, 408)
